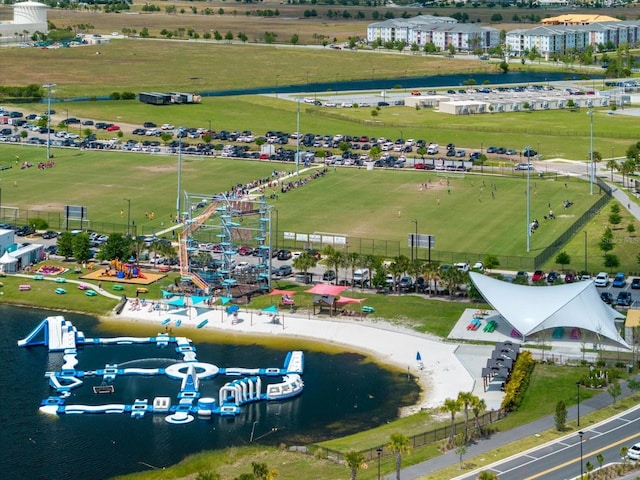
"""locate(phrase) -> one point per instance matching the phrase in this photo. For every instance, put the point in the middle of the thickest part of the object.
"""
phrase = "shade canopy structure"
(327, 290)
(346, 300)
(275, 291)
(530, 309)
(7, 259)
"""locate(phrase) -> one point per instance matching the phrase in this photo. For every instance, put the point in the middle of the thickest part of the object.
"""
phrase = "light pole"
(49, 86)
(379, 451)
(578, 387)
(128, 200)
(178, 209)
(528, 150)
(592, 169)
(585, 254)
(298, 139)
(581, 433)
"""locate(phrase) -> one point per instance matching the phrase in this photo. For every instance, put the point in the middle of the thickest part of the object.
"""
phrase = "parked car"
(405, 284)
(624, 299)
(569, 277)
(329, 276)
(283, 254)
(538, 275)
(283, 271)
(49, 234)
(619, 281)
(523, 166)
(245, 250)
(522, 274)
(552, 277)
(606, 297)
(635, 283)
(602, 279)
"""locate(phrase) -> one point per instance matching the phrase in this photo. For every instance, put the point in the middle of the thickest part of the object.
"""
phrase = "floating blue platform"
(60, 335)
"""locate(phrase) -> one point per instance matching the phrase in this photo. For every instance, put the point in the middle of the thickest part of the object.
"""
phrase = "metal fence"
(562, 239)
(425, 438)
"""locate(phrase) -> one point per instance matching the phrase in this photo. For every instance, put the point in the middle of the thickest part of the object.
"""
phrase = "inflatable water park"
(247, 386)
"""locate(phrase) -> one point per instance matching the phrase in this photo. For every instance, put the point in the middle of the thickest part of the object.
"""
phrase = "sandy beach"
(440, 372)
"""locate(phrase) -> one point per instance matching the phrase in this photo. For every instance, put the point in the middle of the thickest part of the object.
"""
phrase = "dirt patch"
(56, 207)
(158, 168)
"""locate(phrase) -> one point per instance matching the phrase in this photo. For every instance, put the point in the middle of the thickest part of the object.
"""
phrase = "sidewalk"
(502, 438)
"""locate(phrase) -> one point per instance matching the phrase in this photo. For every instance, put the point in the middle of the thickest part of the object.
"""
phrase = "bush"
(517, 386)
(115, 96)
(39, 223)
(128, 96)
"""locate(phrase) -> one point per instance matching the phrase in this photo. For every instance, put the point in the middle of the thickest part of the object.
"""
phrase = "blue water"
(433, 81)
(342, 395)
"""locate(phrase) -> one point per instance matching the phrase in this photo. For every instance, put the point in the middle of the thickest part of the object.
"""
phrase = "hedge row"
(518, 382)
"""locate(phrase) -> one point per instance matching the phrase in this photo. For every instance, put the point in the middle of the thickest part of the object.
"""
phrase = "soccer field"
(467, 213)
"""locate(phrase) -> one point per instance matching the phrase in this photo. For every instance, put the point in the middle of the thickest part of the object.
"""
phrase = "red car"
(113, 128)
(538, 275)
(245, 250)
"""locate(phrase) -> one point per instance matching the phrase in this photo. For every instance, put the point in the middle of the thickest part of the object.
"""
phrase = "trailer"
(155, 98)
(180, 97)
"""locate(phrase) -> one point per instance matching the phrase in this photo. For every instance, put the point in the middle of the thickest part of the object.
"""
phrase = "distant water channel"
(342, 395)
(434, 81)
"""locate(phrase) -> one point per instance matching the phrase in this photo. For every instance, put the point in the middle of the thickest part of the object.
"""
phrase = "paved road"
(503, 438)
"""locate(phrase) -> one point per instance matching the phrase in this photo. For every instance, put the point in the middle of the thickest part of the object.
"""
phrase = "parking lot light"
(49, 86)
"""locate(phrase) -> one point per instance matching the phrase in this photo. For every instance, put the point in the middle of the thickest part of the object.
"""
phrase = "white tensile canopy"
(7, 259)
(530, 309)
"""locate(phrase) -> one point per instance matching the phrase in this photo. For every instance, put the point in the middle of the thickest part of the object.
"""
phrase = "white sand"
(441, 377)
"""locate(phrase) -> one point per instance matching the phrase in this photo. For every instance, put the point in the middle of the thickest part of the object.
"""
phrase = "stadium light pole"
(528, 150)
(592, 167)
(49, 86)
(379, 451)
(178, 210)
(298, 139)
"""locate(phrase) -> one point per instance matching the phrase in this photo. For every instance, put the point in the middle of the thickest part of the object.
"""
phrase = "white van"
(433, 148)
(361, 276)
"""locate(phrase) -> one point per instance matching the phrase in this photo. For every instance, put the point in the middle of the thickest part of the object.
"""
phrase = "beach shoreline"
(437, 370)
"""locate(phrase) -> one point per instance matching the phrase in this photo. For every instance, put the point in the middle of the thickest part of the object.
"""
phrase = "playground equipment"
(214, 227)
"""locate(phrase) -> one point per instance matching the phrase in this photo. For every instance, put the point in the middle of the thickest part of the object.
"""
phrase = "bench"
(24, 288)
(118, 288)
(474, 324)
(141, 290)
(367, 309)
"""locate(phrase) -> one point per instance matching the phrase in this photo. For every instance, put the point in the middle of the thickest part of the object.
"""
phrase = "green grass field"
(464, 212)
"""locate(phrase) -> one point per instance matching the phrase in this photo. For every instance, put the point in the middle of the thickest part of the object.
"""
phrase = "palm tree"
(351, 261)
(399, 265)
(478, 407)
(399, 444)
(451, 406)
(333, 259)
(429, 271)
(467, 400)
(612, 165)
(304, 262)
(451, 278)
(355, 461)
